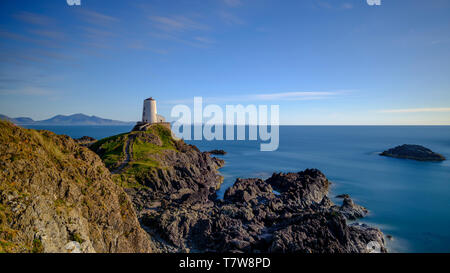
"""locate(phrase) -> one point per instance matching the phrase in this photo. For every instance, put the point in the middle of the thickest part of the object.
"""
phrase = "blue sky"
(322, 61)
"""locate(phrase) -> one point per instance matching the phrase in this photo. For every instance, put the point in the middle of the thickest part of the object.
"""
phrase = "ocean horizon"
(406, 199)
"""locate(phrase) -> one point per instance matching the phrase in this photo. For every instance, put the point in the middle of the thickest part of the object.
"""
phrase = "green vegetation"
(145, 152)
(77, 238)
(165, 135)
(37, 246)
(7, 234)
(146, 149)
(127, 181)
(111, 149)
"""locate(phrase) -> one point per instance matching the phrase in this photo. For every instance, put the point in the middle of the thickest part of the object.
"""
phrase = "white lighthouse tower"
(150, 117)
(149, 114)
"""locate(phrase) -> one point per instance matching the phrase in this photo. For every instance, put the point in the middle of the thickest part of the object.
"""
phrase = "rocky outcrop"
(217, 152)
(415, 152)
(56, 196)
(85, 141)
(182, 172)
(251, 218)
(350, 210)
(173, 187)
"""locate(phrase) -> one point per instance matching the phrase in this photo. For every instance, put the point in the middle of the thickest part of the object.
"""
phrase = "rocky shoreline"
(56, 195)
(176, 203)
(178, 206)
(252, 219)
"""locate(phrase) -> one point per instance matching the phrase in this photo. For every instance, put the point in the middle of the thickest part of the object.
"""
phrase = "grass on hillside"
(144, 154)
(143, 151)
(111, 149)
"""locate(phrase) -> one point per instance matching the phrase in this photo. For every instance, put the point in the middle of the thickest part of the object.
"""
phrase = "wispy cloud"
(19, 37)
(51, 34)
(199, 42)
(176, 23)
(416, 110)
(280, 96)
(29, 91)
(328, 5)
(180, 29)
(204, 40)
(33, 18)
(233, 3)
(295, 95)
(141, 45)
(325, 5)
(97, 18)
(230, 18)
(96, 32)
(347, 6)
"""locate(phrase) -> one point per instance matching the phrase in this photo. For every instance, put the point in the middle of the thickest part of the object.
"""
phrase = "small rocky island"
(217, 152)
(415, 152)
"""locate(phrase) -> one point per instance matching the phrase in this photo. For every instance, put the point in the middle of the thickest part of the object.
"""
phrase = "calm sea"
(407, 199)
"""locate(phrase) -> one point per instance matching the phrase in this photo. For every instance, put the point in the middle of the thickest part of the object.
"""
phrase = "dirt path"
(128, 152)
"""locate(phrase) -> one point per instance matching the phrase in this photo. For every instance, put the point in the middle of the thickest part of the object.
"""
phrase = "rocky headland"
(414, 152)
(145, 191)
(173, 187)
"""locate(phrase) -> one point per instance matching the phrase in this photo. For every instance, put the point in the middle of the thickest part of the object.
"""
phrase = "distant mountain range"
(75, 119)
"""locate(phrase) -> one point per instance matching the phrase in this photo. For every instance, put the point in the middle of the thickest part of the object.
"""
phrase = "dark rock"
(350, 210)
(415, 152)
(217, 152)
(245, 190)
(252, 219)
(85, 139)
(343, 196)
(177, 205)
(302, 188)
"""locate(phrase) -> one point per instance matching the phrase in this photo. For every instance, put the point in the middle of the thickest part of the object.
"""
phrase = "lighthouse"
(149, 114)
(150, 117)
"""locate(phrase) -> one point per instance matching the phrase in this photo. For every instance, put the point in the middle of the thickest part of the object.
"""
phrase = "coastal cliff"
(56, 196)
(172, 186)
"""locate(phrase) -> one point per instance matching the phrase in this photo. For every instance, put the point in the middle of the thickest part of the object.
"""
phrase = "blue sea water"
(407, 199)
